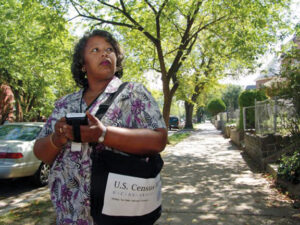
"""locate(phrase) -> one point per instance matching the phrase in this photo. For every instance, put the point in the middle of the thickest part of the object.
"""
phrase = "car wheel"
(41, 176)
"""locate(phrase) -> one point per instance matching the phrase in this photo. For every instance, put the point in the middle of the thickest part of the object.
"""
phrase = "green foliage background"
(216, 106)
(169, 37)
(35, 50)
(230, 96)
(289, 168)
(165, 36)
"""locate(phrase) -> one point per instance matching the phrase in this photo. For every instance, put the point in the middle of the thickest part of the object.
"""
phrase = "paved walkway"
(206, 180)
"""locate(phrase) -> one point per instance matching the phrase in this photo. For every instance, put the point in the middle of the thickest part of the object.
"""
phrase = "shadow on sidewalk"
(206, 180)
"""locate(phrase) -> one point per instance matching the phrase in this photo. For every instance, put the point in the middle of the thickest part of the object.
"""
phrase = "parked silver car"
(16, 152)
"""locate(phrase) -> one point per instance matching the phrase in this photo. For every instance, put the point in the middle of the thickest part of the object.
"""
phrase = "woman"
(133, 124)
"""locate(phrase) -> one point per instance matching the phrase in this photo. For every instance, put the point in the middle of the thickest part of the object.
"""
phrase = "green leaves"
(216, 106)
(289, 167)
(34, 52)
(230, 96)
(166, 35)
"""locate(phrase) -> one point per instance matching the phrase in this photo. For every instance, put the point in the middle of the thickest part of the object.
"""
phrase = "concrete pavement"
(206, 180)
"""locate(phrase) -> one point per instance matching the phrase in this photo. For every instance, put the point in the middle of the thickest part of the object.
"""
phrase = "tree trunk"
(168, 96)
(188, 115)
(19, 110)
(167, 108)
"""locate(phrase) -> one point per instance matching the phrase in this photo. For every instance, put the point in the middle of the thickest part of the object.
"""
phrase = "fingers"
(63, 119)
(91, 132)
(63, 130)
(58, 126)
(68, 132)
(92, 119)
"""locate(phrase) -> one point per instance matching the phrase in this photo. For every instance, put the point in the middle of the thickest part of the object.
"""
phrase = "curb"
(272, 169)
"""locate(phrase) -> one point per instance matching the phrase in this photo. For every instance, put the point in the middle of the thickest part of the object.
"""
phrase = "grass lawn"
(178, 137)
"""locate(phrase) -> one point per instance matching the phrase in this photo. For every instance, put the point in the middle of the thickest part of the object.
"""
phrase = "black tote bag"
(125, 189)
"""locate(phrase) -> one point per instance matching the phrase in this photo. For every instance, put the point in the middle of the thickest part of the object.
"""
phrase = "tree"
(216, 106)
(163, 33)
(209, 63)
(34, 56)
(199, 72)
(230, 96)
(201, 114)
(201, 80)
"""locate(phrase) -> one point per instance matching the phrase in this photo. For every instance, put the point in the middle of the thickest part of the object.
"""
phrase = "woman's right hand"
(59, 137)
(43, 147)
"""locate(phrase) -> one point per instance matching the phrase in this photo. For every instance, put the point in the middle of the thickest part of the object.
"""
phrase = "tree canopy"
(161, 34)
(216, 106)
(230, 96)
(34, 56)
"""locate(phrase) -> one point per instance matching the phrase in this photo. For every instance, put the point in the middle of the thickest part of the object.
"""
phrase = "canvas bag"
(125, 189)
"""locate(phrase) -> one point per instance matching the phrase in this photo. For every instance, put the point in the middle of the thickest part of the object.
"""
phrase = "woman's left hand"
(93, 131)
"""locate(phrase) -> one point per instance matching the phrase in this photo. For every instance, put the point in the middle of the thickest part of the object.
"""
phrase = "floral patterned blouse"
(69, 178)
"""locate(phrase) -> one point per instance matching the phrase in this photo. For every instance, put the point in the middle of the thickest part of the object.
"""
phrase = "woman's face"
(99, 59)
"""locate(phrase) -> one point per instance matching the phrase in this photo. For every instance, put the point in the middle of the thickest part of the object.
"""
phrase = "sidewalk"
(206, 180)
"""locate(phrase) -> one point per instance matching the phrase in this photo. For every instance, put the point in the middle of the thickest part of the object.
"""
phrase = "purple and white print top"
(69, 178)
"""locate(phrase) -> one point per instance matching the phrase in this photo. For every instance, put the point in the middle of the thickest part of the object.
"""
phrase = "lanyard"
(89, 106)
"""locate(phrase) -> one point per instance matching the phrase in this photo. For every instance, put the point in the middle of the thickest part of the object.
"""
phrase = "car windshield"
(173, 119)
(17, 132)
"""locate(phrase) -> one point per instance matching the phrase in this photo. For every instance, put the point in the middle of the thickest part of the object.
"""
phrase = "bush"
(289, 168)
(216, 106)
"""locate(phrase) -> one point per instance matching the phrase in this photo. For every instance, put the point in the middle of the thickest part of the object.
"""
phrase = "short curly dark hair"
(78, 56)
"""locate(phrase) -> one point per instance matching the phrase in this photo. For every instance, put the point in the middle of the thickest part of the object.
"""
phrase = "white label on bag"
(75, 147)
(131, 196)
